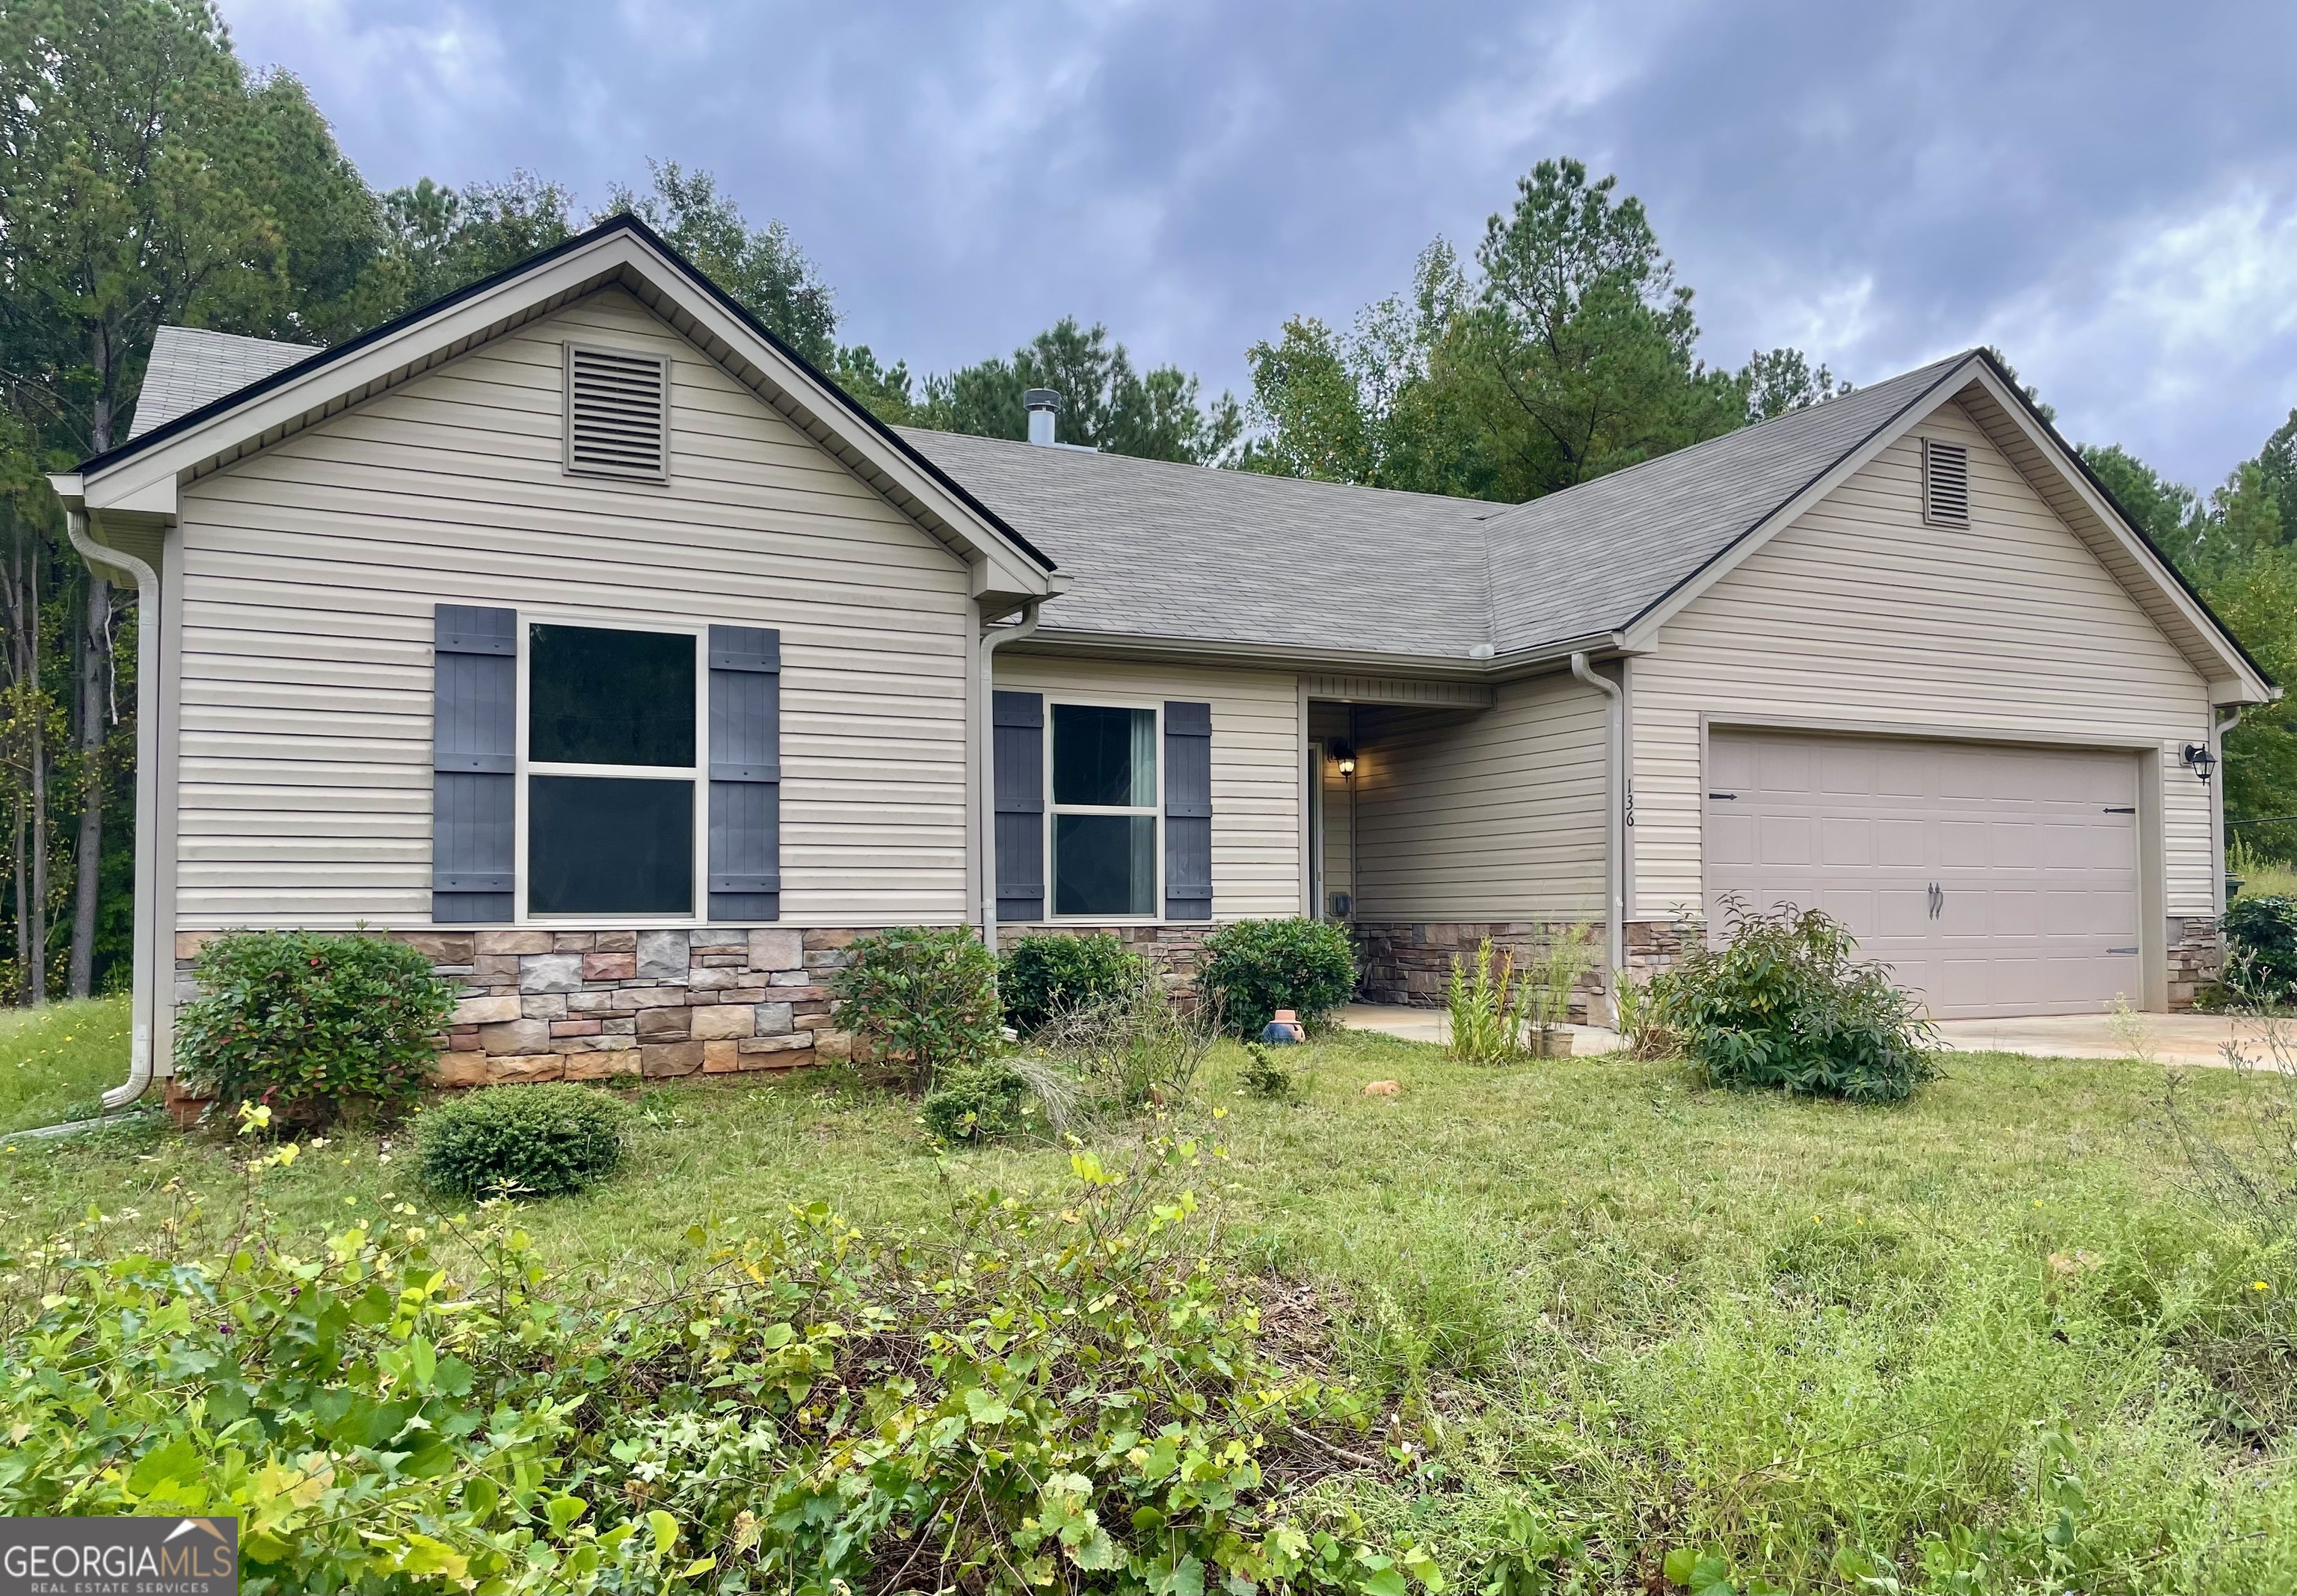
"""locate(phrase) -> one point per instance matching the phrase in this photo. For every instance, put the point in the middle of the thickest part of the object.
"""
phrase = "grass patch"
(1612, 1312)
(57, 1062)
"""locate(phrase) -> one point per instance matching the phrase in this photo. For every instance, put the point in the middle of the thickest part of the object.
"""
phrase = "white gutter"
(993, 638)
(2217, 729)
(1615, 840)
(147, 964)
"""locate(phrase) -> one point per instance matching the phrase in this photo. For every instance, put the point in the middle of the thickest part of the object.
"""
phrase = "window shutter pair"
(1017, 749)
(474, 761)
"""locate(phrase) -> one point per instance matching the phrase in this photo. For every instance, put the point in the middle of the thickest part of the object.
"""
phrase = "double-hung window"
(1104, 810)
(612, 778)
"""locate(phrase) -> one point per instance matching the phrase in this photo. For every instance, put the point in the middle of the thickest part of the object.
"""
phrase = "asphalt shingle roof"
(191, 366)
(1158, 550)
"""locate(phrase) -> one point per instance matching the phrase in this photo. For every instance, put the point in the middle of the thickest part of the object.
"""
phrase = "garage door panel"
(1784, 840)
(1905, 844)
(1992, 880)
(1845, 841)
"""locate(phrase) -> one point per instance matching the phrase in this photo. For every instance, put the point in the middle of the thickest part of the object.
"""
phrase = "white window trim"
(1104, 701)
(698, 773)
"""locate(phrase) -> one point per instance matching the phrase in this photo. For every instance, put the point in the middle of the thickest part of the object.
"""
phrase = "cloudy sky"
(2108, 191)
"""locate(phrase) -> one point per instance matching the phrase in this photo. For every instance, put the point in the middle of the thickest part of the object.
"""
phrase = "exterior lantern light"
(2200, 760)
(1345, 757)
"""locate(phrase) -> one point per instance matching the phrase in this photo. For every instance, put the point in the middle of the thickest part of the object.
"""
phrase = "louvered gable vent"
(1945, 483)
(617, 413)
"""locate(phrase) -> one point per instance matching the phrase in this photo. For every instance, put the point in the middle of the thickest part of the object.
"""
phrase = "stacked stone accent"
(1176, 952)
(1412, 963)
(2196, 958)
(604, 1005)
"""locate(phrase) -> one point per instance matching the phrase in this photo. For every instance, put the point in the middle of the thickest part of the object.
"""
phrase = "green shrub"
(1069, 1394)
(922, 997)
(1043, 976)
(1787, 1004)
(521, 1141)
(1255, 967)
(310, 1024)
(1135, 1048)
(2260, 966)
(1263, 1076)
(980, 1102)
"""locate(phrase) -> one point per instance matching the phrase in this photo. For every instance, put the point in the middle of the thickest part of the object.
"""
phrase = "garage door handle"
(2121, 949)
(2121, 809)
(1937, 899)
(1722, 794)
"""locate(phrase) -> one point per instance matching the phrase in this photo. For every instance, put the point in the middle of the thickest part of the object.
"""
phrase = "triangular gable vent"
(617, 413)
(1945, 483)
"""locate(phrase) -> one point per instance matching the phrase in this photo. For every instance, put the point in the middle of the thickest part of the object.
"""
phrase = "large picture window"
(1104, 810)
(611, 778)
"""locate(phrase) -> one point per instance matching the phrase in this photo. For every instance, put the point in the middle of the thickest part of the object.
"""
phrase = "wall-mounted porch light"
(2200, 760)
(1344, 758)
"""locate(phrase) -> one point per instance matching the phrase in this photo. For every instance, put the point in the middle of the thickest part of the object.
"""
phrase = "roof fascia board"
(1119, 645)
(1641, 633)
(2222, 649)
(144, 474)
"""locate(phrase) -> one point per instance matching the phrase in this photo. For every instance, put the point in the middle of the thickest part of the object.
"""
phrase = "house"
(575, 629)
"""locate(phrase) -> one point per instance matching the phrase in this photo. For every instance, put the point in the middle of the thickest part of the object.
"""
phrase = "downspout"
(1615, 841)
(145, 965)
(2218, 730)
(992, 638)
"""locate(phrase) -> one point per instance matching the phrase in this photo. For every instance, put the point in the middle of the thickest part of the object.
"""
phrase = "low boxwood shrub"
(2261, 967)
(811, 1409)
(981, 1102)
(311, 1024)
(1042, 976)
(521, 1141)
(1787, 1003)
(1254, 968)
(921, 997)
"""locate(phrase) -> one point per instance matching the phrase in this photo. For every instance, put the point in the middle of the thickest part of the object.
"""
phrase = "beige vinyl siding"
(1860, 612)
(310, 570)
(1258, 776)
(1495, 816)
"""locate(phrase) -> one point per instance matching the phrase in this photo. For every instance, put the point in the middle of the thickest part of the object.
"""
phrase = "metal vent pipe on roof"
(1044, 407)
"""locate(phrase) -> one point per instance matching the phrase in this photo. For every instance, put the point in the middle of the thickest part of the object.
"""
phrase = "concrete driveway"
(2179, 1038)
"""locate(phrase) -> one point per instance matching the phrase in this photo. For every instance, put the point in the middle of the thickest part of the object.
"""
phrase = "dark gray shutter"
(473, 749)
(1187, 812)
(746, 774)
(1019, 749)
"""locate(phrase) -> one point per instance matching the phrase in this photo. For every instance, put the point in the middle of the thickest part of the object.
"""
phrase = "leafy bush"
(1068, 1396)
(1255, 967)
(1786, 1003)
(1485, 1005)
(2260, 966)
(921, 997)
(521, 1141)
(1047, 975)
(1135, 1048)
(308, 1025)
(980, 1102)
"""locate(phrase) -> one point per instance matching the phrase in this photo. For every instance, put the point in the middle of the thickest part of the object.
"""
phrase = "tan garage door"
(1992, 880)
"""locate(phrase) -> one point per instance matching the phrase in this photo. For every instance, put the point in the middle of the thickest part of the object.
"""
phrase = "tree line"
(149, 178)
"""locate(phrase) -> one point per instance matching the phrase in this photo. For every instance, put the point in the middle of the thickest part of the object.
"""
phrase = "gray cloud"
(2109, 193)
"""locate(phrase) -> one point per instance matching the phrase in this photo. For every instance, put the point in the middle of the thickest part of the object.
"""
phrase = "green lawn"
(1985, 1336)
(57, 1061)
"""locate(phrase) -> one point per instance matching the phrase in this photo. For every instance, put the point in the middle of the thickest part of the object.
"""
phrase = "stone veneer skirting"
(1412, 963)
(598, 1005)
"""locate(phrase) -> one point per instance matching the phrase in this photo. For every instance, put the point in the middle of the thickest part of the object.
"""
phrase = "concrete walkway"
(2179, 1038)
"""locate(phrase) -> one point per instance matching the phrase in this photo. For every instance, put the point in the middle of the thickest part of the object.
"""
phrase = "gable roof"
(1177, 557)
(141, 475)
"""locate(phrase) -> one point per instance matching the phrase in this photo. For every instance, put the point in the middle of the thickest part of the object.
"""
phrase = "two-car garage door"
(1993, 880)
